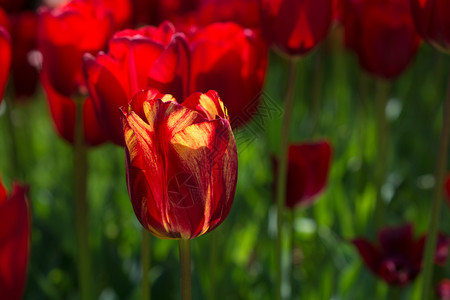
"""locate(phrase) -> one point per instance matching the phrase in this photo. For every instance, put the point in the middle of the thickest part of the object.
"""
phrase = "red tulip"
(148, 56)
(443, 289)
(121, 11)
(65, 33)
(295, 26)
(432, 19)
(23, 34)
(398, 259)
(181, 162)
(382, 35)
(231, 60)
(156, 11)
(225, 57)
(14, 242)
(12, 6)
(308, 167)
(5, 59)
(63, 112)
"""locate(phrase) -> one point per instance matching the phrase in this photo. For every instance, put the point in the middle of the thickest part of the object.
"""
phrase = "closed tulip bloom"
(150, 56)
(14, 242)
(181, 163)
(432, 19)
(382, 35)
(295, 26)
(231, 60)
(308, 168)
(65, 33)
(398, 258)
(5, 59)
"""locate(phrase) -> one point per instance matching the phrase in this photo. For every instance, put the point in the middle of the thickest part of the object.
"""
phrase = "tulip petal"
(5, 59)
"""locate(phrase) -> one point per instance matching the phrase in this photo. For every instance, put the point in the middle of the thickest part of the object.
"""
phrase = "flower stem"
(185, 268)
(146, 262)
(14, 154)
(213, 247)
(382, 95)
(282, 174)
(433, 227)
(81, 205)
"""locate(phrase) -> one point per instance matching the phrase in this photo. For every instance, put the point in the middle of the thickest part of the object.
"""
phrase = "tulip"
(432, 19)
(181, 163)
(224, 56)
(308, 166)
(382, 35)
(295, 26)
(398, 258)
(447, 189)
(13, 6)
(121, 11)
(443, 289)
(5, 59)
(65, 33)
(14, 242)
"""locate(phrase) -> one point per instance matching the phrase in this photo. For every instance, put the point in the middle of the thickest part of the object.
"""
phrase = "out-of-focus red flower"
(443, 289)
(24, 74)
(398, 258)
(181, 163)
(14, 241)
(382, 34)
(432, 19)
(4, 20)
(225, 57)
(63, 112)
(242, 12)
(153, 12)
(149, 56)
(5, 59)
(65, 33)
(308, 168)
(295, 26)
(231, 60)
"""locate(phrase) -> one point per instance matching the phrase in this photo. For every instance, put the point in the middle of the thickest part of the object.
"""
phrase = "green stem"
(441, 164)
(185, 268)
(213, 245)
(146, 263)
(292, 249)
(81, 206)
(382, 95)
(317, 90)
(282, 173)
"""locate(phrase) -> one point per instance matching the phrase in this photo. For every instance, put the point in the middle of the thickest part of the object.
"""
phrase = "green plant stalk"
(185, 268)
(17, 171)
(146, 263)
(81, 206)
(317, 90)
(433, 227)
(213, 263)
(292, 248)
(282, 172)
(382, 95)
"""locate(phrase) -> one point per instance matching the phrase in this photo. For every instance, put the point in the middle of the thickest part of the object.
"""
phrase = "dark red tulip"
(153, 12)
(14, 241)
(231, 60)
(308, 168)
(382, 34)
(5, 59)
(447, 189)
(295, 26)
(432, 19)
(13, 6)
(181, 162)
(65, 33)
(224, 56)
(242, 12)
(24, 73)
(149, 56)
(398, 258)
(63, 112)
(443, 289)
